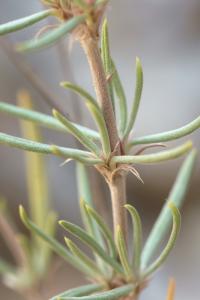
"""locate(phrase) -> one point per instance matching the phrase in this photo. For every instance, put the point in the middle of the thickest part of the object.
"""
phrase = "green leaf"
(93, 270)
(118, 87)
(106, 58)
(154, 158)
(171, 242)
(96, 113)
(28, 145)
(84, 140)
(85, 197)
(43, 119)
(24, 22)
(114, 294)
(137, 237)
(137, 98)
(168, 135)
(123, 255)
(51, 37)
(176, 195)
(94, 232)
(90, 242)
(104, 229)
(53, 244)
(83, 184)
(80, 291)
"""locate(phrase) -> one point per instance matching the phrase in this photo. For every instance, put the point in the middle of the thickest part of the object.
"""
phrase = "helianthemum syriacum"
(115, 271)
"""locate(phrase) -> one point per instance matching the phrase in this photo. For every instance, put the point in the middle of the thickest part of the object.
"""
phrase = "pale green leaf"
(176, 195)
(118, 87)
(43, 119)
(123, 254)
(155, 157)
(96, 113)
(53, 244)
(104, 229)
(83, 139)
(80, 291)
(137, 237)
(24, 22)
(168, 135)
(28, 145)
(170, 244)
(137, 98)
(114, 294)
(90, 242)
(106, 59)
(52, 37)
(93, 270)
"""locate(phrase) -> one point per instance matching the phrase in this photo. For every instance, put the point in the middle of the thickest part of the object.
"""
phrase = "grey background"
(165, 35)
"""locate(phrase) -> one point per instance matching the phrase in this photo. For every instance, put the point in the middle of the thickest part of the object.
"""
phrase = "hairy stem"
(117, 186)
(91, 48)
(118, 197)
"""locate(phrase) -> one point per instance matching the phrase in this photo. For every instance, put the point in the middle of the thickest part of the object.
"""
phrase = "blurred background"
(165, 35)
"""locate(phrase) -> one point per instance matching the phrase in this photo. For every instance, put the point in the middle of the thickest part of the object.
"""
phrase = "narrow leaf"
(51, 37)
(168, 135)
(118, 87)
(137, 98)
(123, 255)
(53, 244)
(104, 229)
(94, 232)
(137, 236)
(109, 295)
(93, 270)
(28, 145)
(176, 195)
(91, 242)
(77, 133)
(154, 158)
(106, 58)
(96, 113)
(24, 22)
(80, 291)
(171, 242)
(43, 119)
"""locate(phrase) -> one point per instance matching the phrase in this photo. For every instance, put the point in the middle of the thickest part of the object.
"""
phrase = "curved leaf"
(53, 244)
(91, 242)
(118, 87)
(137, 98)
(154, 158)
(114, 294)
(171, 242)
(168, 135)
(176, 195)
(80, 291)
(28, 145)
(93, 270)
(123, 255)
(106, 59)
(137, 236)
(51, 37)
(104, 229)
(24, 22)
(43, 119)
(96, 113)
(84, 140)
